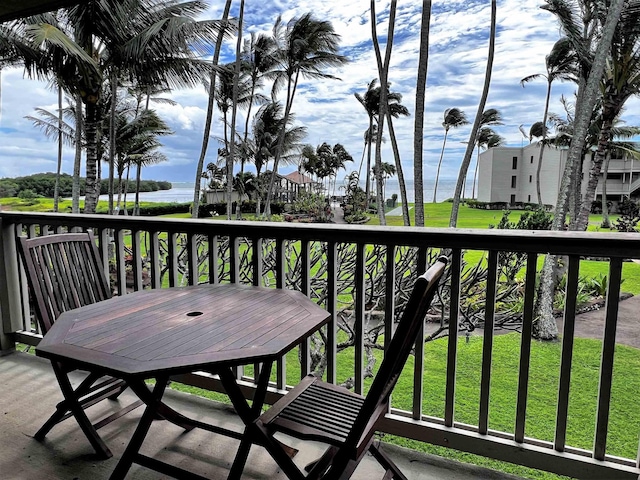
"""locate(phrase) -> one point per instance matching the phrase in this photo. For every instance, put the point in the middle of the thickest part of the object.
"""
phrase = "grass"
(543, 388)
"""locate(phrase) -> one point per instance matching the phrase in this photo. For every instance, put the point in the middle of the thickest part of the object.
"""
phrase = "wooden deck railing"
(379, 263)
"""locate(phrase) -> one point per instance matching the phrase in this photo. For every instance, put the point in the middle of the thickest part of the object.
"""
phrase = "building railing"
(361, 274)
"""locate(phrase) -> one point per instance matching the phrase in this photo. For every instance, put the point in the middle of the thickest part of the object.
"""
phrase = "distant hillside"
(43, 184)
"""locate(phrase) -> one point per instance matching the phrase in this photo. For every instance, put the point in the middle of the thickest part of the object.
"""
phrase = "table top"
(183, 329)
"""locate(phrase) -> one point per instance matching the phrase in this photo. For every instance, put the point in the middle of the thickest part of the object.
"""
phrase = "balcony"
(336, 266)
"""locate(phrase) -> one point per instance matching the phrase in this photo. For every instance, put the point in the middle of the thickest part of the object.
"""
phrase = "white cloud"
(457, 58)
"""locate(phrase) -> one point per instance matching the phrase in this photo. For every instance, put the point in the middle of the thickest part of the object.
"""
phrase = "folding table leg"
(153, 400)
(71, 397)
(248, 415)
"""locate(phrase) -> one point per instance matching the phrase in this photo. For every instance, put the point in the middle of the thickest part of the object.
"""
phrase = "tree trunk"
(112, 136)
(401, 184)
(367, 188)
(77, 161)
(444, 142)
(234, 111)
(91, 137)
(462, 175)
(604, 139)
(56, 188)
(383, 71)
(207, 124)
(418, 129)
(605, 209)
(545, 327)
(542, 142)
(136, 203)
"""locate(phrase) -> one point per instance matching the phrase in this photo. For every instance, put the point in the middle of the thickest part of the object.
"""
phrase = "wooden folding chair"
(64, 272)
(319, 411)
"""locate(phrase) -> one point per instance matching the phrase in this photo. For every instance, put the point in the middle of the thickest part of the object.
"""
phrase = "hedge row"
(248, 206)
(505, 205)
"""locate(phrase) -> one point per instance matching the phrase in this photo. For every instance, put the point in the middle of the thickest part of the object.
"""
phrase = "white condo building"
(508, 174)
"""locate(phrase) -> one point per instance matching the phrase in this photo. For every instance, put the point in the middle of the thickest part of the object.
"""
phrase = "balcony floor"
(30, 392)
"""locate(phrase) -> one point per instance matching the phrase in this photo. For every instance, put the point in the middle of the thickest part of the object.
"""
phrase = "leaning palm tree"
(561, 65)
(306, 47)
(453, 118)
(462, 175)
(621, 81)
(592, 66)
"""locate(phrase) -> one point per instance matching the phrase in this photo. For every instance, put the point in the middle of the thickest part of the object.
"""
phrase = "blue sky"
(329, 110)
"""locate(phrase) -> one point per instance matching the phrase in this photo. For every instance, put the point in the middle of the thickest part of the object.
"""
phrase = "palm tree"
(388, 170)
(267, 125)
(418, 129)
(621, 81)
(561, 65)
(370, 101)
(306, 47)
(453, 118)
(462, 175)
(207, 124)
(590, 76)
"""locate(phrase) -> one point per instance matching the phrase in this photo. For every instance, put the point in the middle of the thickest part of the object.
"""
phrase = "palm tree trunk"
(368, 175)
(418, 129)
(234, 110)
(383, 71)
(605, 209)
(546, 327)
(542, 142)
(596, 165)
(462, 175)
(136, 203)
(112, 135)
(75, 186)
(444, 142)
(475, 174)
(91, 136)
(56, 188)
(401, 184)
(208, 121)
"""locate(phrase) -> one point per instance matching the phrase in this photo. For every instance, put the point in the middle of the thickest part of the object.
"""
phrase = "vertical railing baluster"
(193, 276)
(305, 346)
(257, 260)
(606, 365)
(172, 258)
(418, 369)
(487, 345)
(359, 320)
(121, 270)
(568, 335)
(332, 306)
(234, 260)
(525, 346)
(136, 251)
(281, 363)
(154, 258)
(455, 268)
(214, 277)
(390, 296)
(103, 236)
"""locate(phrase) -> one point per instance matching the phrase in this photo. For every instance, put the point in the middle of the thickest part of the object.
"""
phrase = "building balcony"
(360, 275)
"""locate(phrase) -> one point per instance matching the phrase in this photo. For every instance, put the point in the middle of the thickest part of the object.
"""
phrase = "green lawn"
(543, 388)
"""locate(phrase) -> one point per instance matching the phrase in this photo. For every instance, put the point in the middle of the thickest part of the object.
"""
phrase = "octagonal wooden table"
(154, 334)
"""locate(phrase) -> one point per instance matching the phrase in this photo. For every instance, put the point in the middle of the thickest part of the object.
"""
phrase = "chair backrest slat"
(397, 354)
(64, 272)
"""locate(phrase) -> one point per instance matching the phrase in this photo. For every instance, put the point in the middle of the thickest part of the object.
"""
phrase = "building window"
(529, 198)
(514, 163)
(530, 178)
(531, 158)
(513, 181)
(513, 199)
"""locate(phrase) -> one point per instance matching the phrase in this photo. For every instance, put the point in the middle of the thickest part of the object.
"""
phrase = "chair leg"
(71, 402)
(386, 462)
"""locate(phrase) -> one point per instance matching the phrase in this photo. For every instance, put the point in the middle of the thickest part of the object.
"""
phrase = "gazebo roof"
(299, 178)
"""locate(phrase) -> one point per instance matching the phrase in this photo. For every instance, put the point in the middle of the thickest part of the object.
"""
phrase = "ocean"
(182, 192)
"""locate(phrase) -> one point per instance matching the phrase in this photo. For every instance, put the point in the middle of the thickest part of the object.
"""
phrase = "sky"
(328, 108)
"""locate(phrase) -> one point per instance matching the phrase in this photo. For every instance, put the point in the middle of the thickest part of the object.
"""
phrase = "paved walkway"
(591, 324)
